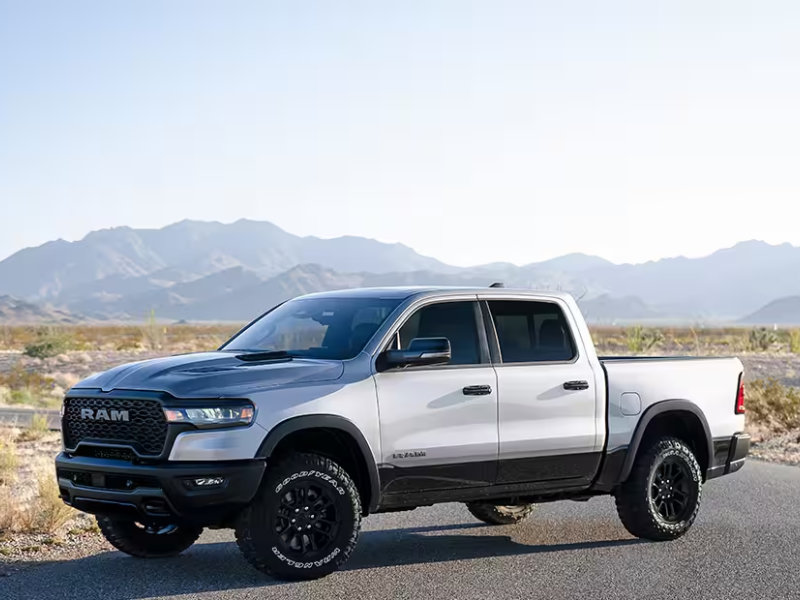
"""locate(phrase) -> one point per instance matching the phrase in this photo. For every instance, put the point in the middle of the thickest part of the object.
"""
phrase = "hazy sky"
(473, 132)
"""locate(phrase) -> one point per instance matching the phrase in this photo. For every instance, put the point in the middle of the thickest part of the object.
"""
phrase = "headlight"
(212, 416)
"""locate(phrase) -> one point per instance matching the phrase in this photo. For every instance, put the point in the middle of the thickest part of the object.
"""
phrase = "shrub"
(48, 343)
(8, 461)
(773, 405)
(794, 341)
(47, 512)
(38, 429)
(762, 339)
(153, 334)
(640, 339)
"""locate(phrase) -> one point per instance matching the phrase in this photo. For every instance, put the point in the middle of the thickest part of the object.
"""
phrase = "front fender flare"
(293, 424)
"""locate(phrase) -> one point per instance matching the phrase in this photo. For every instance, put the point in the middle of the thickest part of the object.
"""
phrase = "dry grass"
(38, 429)
(9, 460)
(45, 513)
(169, 338)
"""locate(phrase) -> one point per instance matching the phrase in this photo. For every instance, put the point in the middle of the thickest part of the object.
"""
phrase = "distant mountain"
(14, 311)
(213, 271)
(784, 311)
(188, 250)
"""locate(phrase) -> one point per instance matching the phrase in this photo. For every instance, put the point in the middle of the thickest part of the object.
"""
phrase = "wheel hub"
(306, 521)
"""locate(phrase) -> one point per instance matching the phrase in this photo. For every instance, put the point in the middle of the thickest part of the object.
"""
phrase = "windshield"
(335, 328)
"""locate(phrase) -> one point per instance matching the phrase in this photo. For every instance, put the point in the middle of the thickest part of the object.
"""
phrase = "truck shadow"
(216, 566)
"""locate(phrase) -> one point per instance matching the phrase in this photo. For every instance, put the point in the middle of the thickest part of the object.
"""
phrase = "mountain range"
(198, 270)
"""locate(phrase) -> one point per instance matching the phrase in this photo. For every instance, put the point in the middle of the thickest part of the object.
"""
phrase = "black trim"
(516, 493)
(575, 467)
(300, 423)
(653, 411)
(729, 455)
(107, 486)
(610, 473)
(452, 476)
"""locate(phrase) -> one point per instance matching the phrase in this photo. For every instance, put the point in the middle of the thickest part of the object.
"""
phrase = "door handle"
(477, 390)
(576, 385)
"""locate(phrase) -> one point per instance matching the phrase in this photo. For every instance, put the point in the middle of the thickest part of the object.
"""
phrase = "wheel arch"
(315, 433)
(658, 417)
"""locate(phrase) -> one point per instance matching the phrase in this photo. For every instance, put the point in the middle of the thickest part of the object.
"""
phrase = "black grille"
(145, 430)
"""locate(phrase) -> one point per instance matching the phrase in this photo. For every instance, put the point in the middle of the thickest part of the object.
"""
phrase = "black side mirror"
(420, 352)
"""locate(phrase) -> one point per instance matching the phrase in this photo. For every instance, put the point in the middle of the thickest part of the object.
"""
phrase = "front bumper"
(729, 455)
(163, 491)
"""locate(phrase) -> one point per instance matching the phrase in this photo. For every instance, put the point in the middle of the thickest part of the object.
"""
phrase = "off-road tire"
(137, 539)
(496, 514)
(636, 506)
(265, 531)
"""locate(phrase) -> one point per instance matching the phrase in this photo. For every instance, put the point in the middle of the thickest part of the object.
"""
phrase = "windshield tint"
(335, 328)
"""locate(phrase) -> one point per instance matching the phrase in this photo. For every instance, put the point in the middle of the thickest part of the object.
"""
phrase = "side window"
(531, 331)
(453, 320)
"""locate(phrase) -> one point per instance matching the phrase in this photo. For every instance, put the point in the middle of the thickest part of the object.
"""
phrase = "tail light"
(739, 409)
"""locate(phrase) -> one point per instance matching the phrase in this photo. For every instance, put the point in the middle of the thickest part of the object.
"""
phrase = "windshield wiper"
(256, 355)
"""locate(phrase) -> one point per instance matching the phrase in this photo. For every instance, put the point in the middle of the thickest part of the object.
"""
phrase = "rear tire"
(304, 522)
(498, 514)
(661, 498)
(148, 541)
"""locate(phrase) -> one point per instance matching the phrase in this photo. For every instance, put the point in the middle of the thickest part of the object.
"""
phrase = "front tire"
(661, 498)
(496, 514)
(304, 522)
(144, 540)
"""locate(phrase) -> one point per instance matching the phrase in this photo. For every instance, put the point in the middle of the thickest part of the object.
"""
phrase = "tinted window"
(321, 327)
(453, 320)
(531, 331)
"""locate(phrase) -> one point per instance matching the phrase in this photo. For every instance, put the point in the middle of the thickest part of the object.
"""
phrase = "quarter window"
(530, 331)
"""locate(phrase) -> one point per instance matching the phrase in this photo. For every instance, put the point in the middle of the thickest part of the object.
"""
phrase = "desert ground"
(38, 365)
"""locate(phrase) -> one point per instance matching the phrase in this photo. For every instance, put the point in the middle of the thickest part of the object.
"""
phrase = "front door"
(439, 423)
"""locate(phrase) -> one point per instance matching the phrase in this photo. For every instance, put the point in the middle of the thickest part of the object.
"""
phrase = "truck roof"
(404, 292)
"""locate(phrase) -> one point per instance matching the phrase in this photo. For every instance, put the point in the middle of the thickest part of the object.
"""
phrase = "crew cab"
(337, 405)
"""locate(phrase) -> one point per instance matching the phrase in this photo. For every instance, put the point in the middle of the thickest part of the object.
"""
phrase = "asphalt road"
(745, 544)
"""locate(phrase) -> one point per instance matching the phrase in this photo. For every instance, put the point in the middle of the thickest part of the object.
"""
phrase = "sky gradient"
(473, 132)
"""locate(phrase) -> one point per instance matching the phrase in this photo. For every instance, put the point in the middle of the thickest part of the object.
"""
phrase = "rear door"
(439, 423)
(547, 410)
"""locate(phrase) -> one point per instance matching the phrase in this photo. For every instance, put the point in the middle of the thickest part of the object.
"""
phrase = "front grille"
(145, 431)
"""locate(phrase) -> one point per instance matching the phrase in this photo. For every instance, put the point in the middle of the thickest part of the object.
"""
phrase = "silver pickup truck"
(337, 405)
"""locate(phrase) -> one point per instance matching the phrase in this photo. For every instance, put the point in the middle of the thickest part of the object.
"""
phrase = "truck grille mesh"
(145, 430)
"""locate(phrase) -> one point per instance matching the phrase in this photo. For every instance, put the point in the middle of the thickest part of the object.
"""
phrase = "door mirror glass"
(420, 352)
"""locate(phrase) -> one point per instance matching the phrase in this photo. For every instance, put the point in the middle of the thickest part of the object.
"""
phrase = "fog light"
(208, 481)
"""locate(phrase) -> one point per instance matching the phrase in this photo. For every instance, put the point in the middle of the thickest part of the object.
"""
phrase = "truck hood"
(212, 375)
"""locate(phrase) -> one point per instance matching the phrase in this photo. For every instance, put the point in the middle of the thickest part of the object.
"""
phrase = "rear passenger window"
(453, 320)
(531, 331)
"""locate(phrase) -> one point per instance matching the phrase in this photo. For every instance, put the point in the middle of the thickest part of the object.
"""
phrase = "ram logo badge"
(104, 414)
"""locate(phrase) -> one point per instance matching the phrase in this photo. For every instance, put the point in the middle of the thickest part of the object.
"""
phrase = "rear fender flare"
(654, 410)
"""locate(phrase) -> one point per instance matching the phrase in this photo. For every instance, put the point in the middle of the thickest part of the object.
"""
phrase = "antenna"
(498, 284)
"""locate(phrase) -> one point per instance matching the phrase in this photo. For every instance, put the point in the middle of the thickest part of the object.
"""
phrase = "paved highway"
(745, 544)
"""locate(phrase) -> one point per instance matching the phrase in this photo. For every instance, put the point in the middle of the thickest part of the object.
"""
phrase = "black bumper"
(729, 455)
(163, 491)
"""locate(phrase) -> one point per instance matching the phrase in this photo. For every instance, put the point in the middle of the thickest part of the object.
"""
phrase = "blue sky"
(473, 132)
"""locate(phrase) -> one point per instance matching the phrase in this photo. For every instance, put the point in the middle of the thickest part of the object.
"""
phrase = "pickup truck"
(337, 405)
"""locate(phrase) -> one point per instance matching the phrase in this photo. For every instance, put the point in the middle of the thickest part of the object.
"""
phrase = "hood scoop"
(268, 355)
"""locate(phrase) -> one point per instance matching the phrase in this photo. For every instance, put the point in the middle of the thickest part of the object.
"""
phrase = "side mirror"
(420, 352)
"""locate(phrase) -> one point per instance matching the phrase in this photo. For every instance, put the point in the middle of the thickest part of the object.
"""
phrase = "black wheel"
(498, 514)
(305, 521)
(661, 498)
(148, 540)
